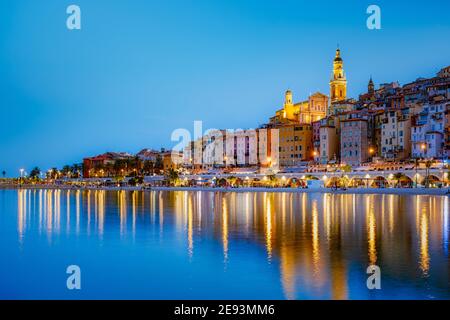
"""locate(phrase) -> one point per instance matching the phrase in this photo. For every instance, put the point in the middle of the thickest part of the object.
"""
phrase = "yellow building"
(303, 112)
(172, 160)
(295, 141)
(338, 83)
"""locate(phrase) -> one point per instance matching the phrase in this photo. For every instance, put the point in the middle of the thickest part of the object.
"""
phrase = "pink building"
(354, 142)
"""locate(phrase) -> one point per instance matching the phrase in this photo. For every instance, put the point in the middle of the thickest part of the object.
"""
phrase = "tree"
(172, 176)
(272, 180)
(76, 170)
(346, 168)
(148, 167)
(428, 165)
(232, 180)
(159, 162)
(4, 173)
(66, 170)
(398, 177)
(119, 167)
(54, 173)
(35, 173)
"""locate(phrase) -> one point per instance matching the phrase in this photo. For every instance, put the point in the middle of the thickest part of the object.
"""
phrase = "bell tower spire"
(338, 82)
(371, 86)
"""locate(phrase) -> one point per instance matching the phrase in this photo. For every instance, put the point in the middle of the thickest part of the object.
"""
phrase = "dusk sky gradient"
(139, 69)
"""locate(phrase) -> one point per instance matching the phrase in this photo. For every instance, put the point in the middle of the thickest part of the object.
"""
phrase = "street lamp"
(371, 152)
(21, 175)
(423, 146)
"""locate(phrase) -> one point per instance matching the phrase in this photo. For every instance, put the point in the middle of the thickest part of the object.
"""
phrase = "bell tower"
(371, 86)
(288, 107)
(338, 82)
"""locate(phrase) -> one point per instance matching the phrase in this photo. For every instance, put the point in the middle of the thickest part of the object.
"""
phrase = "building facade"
(354, 142)
(329, 140)
(295, 141)
(304, 112)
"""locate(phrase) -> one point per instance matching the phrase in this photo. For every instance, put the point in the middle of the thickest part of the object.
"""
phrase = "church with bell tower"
(338, 82)
(318, 105)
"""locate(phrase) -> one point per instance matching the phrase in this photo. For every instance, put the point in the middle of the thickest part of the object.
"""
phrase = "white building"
(427, 133)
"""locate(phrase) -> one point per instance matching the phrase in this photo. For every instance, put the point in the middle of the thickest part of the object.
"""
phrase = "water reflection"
(321, 243)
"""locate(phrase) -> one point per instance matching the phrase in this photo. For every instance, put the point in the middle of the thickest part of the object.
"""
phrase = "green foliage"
(35, 173)
(172, 176)
(346, 168)
(159, 162)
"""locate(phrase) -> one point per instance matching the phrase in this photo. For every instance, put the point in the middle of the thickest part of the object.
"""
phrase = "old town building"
(354, 142)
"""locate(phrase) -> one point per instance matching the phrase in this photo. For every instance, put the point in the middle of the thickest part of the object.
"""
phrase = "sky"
(139, 69)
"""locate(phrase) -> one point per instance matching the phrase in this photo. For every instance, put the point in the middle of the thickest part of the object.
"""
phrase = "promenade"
(361, 190)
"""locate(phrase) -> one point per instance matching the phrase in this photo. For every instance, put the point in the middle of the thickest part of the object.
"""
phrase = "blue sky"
(139, 69)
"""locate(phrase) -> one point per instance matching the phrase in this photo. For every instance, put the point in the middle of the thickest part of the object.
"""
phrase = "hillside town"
(402, 133)
(389, 128)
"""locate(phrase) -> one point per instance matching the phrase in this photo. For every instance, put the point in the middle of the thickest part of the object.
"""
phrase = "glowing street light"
(21, 175)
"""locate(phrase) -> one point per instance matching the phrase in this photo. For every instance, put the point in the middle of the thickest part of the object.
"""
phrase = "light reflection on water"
(315, 245)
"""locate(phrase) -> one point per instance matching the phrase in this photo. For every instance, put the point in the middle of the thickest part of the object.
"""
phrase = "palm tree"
(76, 170)
(232, 180)
(119, 167)
(428, 164)
(272, 180)
(172, 176)
(4, 173)
(159, 162)
(416, 161)
(35, 173)
(66, 170)
(346, 168)
(54, 173)
(397, 177)
(148, 167)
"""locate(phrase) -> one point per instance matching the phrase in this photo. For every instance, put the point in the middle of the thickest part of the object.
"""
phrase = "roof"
(354, 119)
